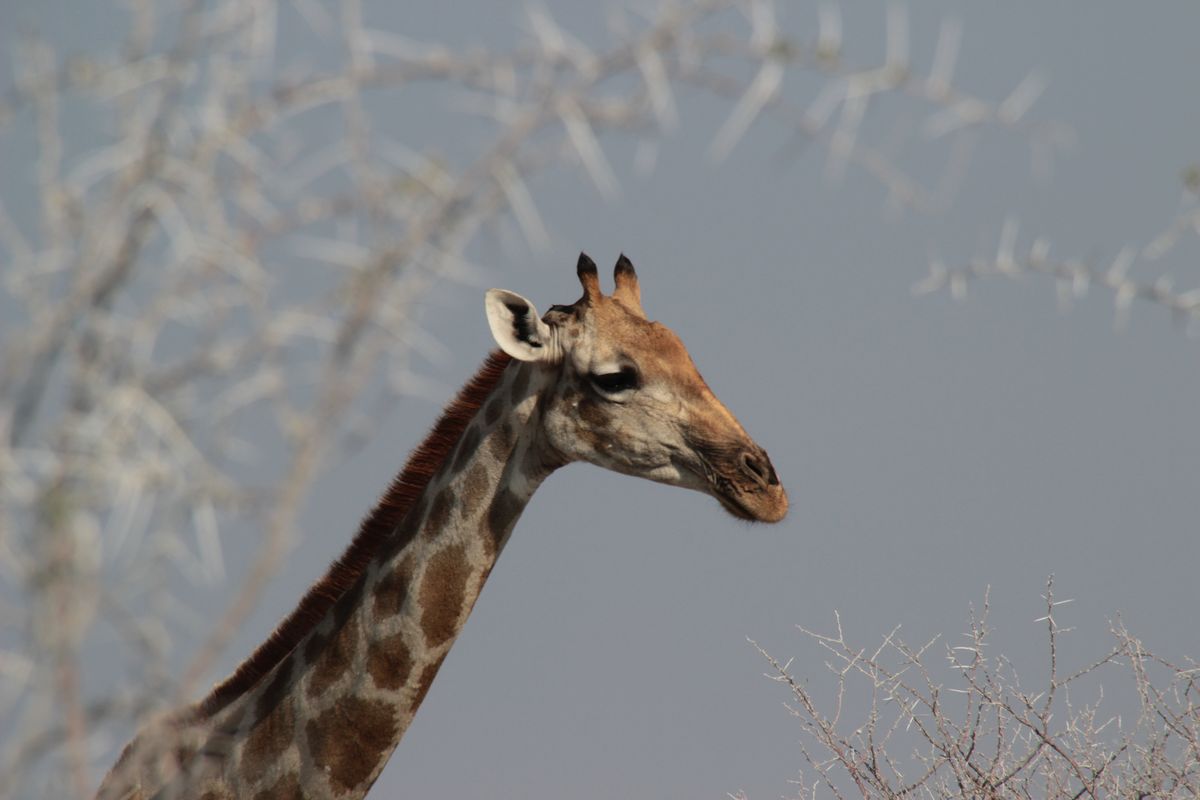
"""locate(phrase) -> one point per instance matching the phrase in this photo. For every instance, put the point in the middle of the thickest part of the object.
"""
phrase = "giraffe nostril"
(759, 466)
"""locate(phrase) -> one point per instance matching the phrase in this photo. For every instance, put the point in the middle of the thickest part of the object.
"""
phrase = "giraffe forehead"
(663, 359)
(607, 331)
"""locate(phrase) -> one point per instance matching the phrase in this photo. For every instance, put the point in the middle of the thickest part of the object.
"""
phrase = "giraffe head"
(622, 393)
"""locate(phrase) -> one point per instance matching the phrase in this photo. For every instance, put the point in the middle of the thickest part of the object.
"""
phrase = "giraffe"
(319, 707)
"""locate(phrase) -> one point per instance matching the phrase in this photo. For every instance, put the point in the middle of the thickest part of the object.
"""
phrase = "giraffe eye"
(622, 380)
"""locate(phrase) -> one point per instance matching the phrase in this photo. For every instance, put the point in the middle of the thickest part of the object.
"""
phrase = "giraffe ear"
(517, 327)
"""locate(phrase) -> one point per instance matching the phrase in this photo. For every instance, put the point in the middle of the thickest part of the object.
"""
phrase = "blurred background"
(939, 259)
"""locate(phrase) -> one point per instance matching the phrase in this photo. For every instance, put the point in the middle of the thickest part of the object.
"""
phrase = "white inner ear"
(517, 327)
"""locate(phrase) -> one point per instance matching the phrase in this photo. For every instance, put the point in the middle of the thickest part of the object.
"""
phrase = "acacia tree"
(954, 718)
(212, 285)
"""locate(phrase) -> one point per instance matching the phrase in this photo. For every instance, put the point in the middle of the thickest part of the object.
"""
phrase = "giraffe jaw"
(772, 511)
(735, 509)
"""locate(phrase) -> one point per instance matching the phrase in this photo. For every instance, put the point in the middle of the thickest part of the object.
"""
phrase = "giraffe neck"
(323, 721)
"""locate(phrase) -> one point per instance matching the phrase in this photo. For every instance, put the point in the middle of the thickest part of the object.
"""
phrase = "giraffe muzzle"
(758, 495)
(744, 481)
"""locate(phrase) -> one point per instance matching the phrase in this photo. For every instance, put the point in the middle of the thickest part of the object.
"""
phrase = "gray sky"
(931, 448)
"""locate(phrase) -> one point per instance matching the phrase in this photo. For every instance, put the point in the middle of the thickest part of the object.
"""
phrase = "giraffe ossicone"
(319, 707)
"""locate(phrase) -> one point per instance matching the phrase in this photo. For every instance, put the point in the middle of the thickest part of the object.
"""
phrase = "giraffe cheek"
(564, 435)
(597, 445)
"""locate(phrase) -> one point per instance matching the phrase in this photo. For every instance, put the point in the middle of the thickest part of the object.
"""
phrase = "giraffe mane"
(377, 531)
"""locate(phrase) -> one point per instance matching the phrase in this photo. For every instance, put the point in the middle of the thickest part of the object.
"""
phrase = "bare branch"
(1009, 743)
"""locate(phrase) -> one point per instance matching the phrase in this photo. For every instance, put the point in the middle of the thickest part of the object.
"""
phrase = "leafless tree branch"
(972, 729)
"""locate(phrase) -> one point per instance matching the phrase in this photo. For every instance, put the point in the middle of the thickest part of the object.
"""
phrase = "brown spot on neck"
(389, 662)
(475, 484)
(495, 408)
(444, 594)
(439, 513)
(502, 515)
(274, 730)
(336, 655)
(350, 740)
(520, 383)
(424, 681)
(286, 788)
(392, 589)
(501, 442)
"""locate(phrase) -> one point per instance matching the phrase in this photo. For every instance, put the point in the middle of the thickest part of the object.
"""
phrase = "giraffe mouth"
(768, 504)
(736, 508)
